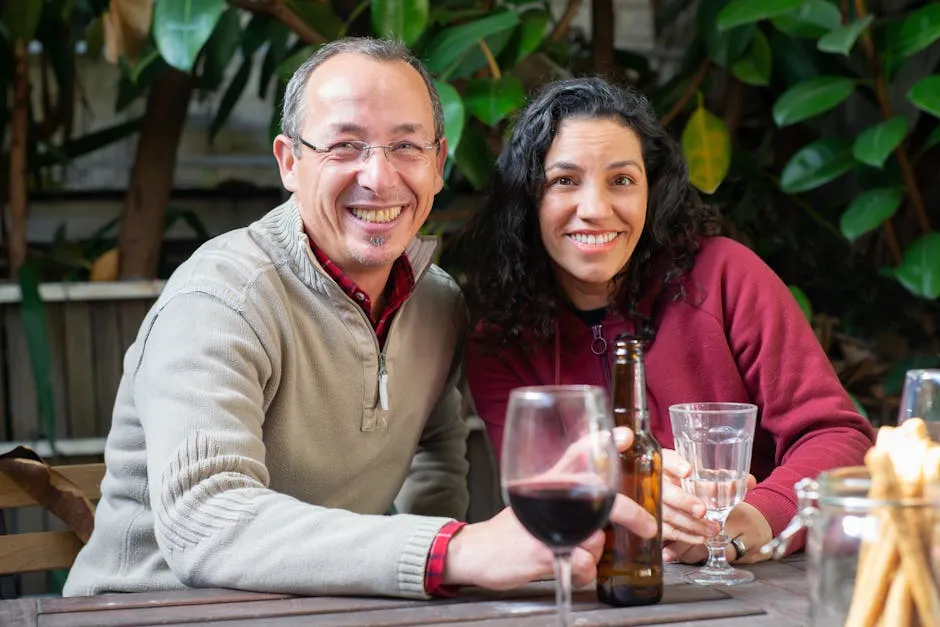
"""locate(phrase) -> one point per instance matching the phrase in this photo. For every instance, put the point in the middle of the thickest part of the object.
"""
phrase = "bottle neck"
(629, 397)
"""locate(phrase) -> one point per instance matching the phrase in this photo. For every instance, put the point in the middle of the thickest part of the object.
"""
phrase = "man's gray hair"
(294, 109)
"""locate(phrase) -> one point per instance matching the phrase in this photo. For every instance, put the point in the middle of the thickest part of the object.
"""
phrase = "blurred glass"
(921, 399)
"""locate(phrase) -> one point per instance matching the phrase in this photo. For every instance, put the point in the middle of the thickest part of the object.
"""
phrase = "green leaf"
(454, 115)
(933, 140)
(858, 407)
(21, 18)
(399, 19)
(816, 164)
(919, 30)
(869, 210)
(317, 15)
(919, 272)
(793, 60)
(474, 159)
(841, 40)
(230, 98)
(803, 301)
(491, 100)
(533, 27)
(724, 47)
(452, 45)
(874, 145)
(810, 98)
(39, 347)
(277, 48)
(755, 66)
(220, 48)
(740, 12)
(811, 19)
(707, 148)
(925, 94)
(288, 66)
(91, 142)
(182, 27)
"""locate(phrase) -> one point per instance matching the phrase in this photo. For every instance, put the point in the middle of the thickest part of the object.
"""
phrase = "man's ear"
(286, 161)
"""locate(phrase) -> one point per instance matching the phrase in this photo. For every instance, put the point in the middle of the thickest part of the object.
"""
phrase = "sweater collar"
(284, 228)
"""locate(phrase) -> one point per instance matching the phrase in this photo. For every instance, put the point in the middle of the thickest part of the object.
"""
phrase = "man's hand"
(500, 554)
(745, 521)
(683, 513)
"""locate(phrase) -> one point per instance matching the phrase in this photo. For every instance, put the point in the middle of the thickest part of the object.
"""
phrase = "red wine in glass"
(561, 514)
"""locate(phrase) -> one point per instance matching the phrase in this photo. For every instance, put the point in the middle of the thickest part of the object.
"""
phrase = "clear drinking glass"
(921, 399)
(560, 470)
(716, 440)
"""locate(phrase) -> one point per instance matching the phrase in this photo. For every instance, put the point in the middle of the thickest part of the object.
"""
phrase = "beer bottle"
(630, 571)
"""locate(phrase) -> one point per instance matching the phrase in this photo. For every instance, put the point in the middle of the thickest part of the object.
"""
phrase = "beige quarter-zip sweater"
(249, 447)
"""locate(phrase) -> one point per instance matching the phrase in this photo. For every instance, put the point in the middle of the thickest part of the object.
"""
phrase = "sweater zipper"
(599, 348)
(383, 382)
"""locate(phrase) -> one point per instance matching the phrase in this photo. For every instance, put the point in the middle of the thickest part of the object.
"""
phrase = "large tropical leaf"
(841, 40)
(724, 47)
(816, 164)
(491, 100)
(920, 270)
(182, 27)
(874, 145)
(399, 19)
(474, 159)
(755, 66)
(230, 98)
(810, 98)
(739, 12)
(533, 26)
(455, 115)
(317, 15)
(869, 210)
(812, 19)
(21, 18)
(451, 45)
(220, 48)
(706, 145)
(919, 30)
(925, 95)
(39, 347)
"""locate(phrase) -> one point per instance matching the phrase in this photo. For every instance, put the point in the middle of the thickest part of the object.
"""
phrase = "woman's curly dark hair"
(511, 284)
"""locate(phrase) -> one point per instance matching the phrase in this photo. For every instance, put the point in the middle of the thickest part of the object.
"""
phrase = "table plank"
(16, 612)
(167, 598)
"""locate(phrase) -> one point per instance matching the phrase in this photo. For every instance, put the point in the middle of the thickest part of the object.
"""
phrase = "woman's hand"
(744, 522)
(683, 514)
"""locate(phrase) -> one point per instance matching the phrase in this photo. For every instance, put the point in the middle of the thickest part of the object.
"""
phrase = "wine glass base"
(731, 577)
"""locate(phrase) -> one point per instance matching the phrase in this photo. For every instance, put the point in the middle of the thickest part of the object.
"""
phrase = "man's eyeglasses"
(399, 154)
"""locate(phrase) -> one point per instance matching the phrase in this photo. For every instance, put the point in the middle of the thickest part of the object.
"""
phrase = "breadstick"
(872, 581)
(910, 549)
(898, 610)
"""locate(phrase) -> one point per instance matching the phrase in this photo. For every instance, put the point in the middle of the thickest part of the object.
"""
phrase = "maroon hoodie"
(737, 336)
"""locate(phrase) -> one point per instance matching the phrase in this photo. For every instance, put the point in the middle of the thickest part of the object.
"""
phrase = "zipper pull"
(598, 344)
(383, 383)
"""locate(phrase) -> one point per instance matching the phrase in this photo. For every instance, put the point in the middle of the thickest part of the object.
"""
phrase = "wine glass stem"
(717, 550)
(563, 588)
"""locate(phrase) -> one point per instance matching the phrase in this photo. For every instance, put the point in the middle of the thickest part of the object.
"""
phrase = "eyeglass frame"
(365, 150)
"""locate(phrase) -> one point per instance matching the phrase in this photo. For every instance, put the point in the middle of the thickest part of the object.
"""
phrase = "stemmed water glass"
(716, 440)
(921, 399)
(560, 470)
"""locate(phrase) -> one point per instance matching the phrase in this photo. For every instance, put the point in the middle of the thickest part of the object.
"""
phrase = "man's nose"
(377, 172)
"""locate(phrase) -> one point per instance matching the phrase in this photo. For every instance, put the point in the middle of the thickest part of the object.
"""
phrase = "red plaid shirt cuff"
(434, 573)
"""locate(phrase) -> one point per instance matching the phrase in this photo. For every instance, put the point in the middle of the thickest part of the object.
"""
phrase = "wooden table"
(778, 598)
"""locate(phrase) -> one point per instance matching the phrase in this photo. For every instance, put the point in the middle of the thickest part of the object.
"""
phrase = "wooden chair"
(44, 550)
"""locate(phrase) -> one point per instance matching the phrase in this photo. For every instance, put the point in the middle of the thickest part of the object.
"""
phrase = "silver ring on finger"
(739, 548)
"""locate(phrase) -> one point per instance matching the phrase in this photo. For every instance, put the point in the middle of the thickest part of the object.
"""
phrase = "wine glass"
(560, 470)
(921, 399)
(716, 440)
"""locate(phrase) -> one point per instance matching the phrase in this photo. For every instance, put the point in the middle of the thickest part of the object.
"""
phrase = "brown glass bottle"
(630, 571)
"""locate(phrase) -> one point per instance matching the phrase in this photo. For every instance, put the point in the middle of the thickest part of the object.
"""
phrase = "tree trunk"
(152, 175)
(19, 131)
(602, 26)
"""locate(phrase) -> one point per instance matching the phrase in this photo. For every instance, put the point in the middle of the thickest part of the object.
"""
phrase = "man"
(298, 377)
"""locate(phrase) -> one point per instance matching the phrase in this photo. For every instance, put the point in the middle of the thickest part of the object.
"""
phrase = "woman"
(591, 229)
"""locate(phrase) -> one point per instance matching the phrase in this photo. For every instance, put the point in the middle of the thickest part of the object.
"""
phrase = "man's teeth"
(592, 240)
(373, 215)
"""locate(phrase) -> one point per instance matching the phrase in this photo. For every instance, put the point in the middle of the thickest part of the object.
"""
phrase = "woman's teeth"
(592, 240)
(376, 215)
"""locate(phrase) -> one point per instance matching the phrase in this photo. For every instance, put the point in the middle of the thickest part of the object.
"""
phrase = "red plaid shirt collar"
(402, 280)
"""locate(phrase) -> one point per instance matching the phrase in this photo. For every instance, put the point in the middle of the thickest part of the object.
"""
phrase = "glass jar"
(847, 528)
